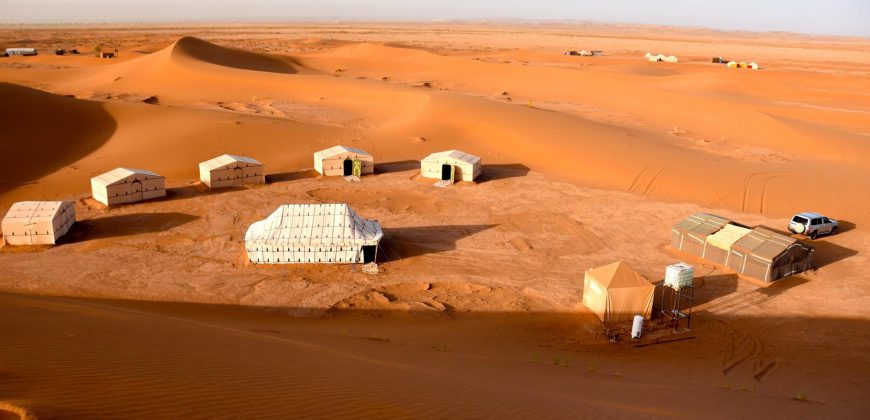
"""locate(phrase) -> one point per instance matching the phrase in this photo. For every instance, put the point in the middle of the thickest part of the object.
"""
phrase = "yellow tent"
(616, 293)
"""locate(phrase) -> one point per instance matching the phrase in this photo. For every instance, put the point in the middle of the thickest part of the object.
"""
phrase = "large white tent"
(343, 161)
(37, 222)
(452, 165)
(124, 185)
(231, 171)
(313, 233)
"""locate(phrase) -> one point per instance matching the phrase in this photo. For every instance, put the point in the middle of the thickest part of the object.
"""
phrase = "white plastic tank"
(637, 327)
(679, 275)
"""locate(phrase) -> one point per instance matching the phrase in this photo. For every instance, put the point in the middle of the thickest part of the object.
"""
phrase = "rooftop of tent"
(454, 154)
(227, 159)
(618, 275)
(337, 150)
(764, 243)
(703, 223)
(120, 174)
(35, 210)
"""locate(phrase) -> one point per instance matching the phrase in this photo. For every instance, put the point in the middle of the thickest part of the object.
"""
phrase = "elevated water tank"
(679, 275)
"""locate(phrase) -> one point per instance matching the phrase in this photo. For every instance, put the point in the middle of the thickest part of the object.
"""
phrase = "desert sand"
(152, 309)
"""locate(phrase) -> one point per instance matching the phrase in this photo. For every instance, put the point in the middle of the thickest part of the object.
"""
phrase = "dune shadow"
(195, 190)
(235, 57)
(502, 171)
(397, 166)
(291, 176)
(407, 242)
(44, 132)
(125, 225)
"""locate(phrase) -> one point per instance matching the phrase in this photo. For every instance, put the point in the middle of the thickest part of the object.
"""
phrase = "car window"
(816, 222)
(798, 219)
(826, 220)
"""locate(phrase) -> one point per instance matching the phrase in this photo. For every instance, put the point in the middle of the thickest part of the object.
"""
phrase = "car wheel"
(835, 230)
(814, 234)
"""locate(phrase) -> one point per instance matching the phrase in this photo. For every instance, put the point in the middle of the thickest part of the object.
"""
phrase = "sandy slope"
(587, 161)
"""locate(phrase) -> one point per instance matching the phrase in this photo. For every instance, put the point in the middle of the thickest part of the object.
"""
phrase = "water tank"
(637, 327)
(679, 275)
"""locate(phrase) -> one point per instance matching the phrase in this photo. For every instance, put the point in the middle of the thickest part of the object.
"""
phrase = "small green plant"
(591, 368)
(529, 104)
(801, 396)
(536, 357)
(440, 347)
(617, 373)
(559, 361)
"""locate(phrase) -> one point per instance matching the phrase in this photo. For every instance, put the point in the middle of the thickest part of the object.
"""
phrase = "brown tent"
(770, 256)
(690, 234)
(617, 293)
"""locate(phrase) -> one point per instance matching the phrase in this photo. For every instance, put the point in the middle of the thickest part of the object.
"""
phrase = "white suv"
(813, 225)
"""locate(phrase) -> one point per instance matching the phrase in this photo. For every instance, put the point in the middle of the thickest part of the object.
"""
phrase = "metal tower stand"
(680, 307)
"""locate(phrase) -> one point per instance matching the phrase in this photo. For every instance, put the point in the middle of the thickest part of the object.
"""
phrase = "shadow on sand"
(291, 176)
(397, 166)
(125, 225)
(502, 171)
(415, 241)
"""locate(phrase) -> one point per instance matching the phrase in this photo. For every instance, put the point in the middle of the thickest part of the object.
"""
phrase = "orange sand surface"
(153, 309)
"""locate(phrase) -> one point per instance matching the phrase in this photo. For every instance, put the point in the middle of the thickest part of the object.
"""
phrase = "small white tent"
(37, 222)
(123, 185)
(343, 161)
(313, 233)
(231, 171)
(452, 165)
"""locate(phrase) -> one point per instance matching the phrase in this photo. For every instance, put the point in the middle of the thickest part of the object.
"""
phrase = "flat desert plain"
(153, 309)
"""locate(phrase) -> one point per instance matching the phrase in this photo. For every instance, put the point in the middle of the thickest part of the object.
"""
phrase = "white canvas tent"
(123, 185)
(313, 233)
(37, 222)
(231, 171)
(617, 293)
(452, 165)
(343, 161)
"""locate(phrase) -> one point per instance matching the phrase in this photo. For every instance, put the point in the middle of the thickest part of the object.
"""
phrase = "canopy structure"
(452, 165)
(231, 171)
(124, 185)
(37, 222)
(753, 66)
(617, 293)
(732, 64)
(343, 161)
(313, 233)
(718, 245)
(690, 234)
(770, 256)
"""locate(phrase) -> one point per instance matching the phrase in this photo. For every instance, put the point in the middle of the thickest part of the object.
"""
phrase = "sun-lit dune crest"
(190, 48)
(14, 412)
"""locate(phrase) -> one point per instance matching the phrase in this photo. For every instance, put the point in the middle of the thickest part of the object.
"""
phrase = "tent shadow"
(193, 191)
(407, 242)
(291, 176)
(397, 166)
(502, 171)
(125, 225)
(826, 252)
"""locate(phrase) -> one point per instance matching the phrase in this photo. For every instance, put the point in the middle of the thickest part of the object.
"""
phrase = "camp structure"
(21, 51)
(719, 60)
(770, 256)
(231, 171)
(718, 245)
(572, 52)
(452, 165)
(690, 234)
(123, 185)
(37, 222)
(313, 233)
(732, 64)
(753, 66)
(343, 161)
(669, 59)
(107, 54)
(617, 293)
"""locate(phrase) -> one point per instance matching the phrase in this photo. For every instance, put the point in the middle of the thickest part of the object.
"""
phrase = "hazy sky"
(836, 17)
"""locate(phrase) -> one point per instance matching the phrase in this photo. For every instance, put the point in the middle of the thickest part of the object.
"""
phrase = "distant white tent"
(452, 165)
(669, 59)
(753, 66)
(313, 233)
(343, 161)
(37, 222)
(123, 185)
(231, 171)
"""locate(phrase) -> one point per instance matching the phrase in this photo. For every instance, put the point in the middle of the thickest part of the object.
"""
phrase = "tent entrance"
(448, 172)
(368, 253)
(238, 177)
(136, 191)
(348, 167)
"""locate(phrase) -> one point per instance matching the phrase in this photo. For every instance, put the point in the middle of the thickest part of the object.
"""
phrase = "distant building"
(343, 161)
(122, 185)
(231, 171)
(21, 51)
(452, 165)
(59, 51)
(107, 54)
